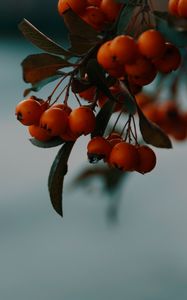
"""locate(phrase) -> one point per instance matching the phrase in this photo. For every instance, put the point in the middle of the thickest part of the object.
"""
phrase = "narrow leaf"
(125, 16)
(48, 144)
(78, 85)
(82, 36)
(37, 67)
(151, 133)
(103, 118)
(56, 176)
(41, 40)
(37, 86)
(129, 102)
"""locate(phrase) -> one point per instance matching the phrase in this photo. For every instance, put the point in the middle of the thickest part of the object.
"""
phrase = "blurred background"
(131, 246)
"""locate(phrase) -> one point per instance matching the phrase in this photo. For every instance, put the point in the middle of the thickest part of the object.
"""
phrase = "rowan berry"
(82, 120)
(151, 43)
(170, 61)
(54, 120)
(111, 9)
(88, 94)
(28, 111)
(173, 7)
(124, 156)
(94, 2)
(94, 17)
(63, 6)
(78, 6)
(105, 57)
(98, 148)
(147, 159)
(124, 48)
(39, 133)
(182, 8)
(63, 107)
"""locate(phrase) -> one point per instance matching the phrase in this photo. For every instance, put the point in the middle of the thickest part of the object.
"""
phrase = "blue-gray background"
(82, 257)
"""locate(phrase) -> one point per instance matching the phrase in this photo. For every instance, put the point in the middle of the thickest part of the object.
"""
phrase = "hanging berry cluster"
(116, 49)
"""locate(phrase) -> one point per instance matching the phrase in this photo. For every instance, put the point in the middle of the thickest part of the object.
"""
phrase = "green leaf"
(129, 102)
(126, 16)
(56, 176)
(82, 36)
(103, 118)
(37, 86)
(40, 40)
(79, 85)
(164, 25)
(37, 67)
(48, 144)
(96, 76)
(151, 133)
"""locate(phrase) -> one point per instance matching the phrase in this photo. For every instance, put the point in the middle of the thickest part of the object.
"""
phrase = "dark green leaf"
(56, 176)
(96, 76)
(37, 86)
(82, 36)
(126, 16)
(41, 40)
(129, 102)
(151, 133)
(170, 32)
(103, 118)
(41, 66)
(48, 144)
(78, 85)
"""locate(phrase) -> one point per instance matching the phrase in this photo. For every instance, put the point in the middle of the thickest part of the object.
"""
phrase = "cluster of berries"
(178, 8)
(139, 61)
(97, 13)
(166, 115)
(46, 122)
(120, 154)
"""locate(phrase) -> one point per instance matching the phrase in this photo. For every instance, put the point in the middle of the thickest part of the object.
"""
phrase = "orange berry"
(88, 94)
(182, 8)
(98, 148)
(62, 106)
(124, 48)
(82, 120)
(151, 43)
(105, 57)
(170, 60)
(68, 135)
(28, 111)
(111, 9)
(152, 112)
(173, 7)
(54, 120)
(78, 6)
(147, 159)
(140, 66)
(113, 135)
(63, 6)
(124, 156)
(144, 79)
(94, 2)
(117, 72)
(115, 141)
(94, 17)
(39, 133)
(143, 99)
